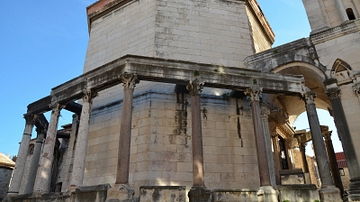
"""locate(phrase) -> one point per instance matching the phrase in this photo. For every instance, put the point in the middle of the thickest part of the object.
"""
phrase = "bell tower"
(324, 14)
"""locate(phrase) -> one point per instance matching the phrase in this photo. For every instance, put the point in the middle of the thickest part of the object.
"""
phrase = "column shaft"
(319, 147)
(22, 154)
(122, 174)
(270, 156)
(263, 165)
(345, 138)
(333, 163)
(195, 89)
(303, 157)
(43, 177)
(34, 162)
(197, 147)
(77, 175)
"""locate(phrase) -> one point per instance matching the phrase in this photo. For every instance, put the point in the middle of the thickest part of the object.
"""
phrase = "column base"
(267, 194)
(120, 193)
(199, 194)
(354, 192)
(330, 194)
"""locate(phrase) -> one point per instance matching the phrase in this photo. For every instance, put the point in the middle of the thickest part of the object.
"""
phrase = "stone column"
(265, 112)
(35, 161)
(333, 93)
(328, 190)
(43, 177)
(22, 154)
(198, 191)
(121, 191)
(77, 175)
(342, 12)
(266, 192)
(302, 148)
(275, 140)
(333, 163)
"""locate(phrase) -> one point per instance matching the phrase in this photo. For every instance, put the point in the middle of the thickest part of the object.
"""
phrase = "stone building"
(185, 100)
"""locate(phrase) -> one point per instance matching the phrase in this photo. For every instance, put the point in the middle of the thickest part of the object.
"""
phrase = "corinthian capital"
(30, 118)
(89, 95)
(195, 87)
(254, 93)
(309, 97)
(129, 80)
(333, 93)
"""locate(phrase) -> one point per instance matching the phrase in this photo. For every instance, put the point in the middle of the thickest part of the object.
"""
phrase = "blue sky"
(43, 44)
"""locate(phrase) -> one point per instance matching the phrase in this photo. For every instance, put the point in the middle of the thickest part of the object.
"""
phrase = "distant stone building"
(6, 168)
(343, 170)
(185, 100)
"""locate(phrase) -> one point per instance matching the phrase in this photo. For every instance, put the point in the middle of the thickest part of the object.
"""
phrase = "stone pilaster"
(341, 9)
(21, 157)
(121, 191)
(328, 192)
(43, 177)
(77, 175)
(266, 192)
(333, 93)
(35, 161)
(265, 112)
(332, 158)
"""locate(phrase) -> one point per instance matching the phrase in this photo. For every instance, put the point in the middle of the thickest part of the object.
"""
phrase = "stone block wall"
(344, 48)
(5, 176)
(161, 149)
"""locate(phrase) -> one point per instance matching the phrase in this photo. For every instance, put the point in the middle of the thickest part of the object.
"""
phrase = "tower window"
(350, 14)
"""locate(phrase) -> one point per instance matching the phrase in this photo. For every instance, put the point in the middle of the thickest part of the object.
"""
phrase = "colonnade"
(261, 131)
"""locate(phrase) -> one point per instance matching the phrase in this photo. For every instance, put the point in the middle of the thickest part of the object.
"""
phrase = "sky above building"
(43, 44)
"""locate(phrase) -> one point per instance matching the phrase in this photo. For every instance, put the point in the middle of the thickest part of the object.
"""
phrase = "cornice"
(255, 8)
(348, 27)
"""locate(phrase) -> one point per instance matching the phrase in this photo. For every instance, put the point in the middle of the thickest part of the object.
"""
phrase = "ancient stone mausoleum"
(185, 100)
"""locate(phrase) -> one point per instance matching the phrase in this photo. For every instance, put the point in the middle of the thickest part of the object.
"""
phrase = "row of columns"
(262, 137)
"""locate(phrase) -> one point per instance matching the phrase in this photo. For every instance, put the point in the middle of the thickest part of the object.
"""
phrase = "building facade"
(186, 100)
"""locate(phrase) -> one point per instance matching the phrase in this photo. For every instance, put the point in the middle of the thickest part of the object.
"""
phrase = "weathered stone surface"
(162, 193)
(244, 195)
(299, 193)
(120, 193)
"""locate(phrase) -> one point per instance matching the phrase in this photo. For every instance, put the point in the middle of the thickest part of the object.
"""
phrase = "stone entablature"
(171, 71)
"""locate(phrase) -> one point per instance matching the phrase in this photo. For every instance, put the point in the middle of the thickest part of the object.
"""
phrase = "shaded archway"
(314, 79)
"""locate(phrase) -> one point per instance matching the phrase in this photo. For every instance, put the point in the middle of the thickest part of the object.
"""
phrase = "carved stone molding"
(333, 93)
(195, 87)
(129, 80)
(356, 88)
(254, 93)
(30, 118)
(309, 97)
(89, 95)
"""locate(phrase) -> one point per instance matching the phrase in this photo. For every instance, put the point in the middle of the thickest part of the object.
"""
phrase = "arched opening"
(341, 72)
(350, 14)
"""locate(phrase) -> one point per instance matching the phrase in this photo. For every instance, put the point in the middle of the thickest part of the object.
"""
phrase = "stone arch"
(314, 78)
